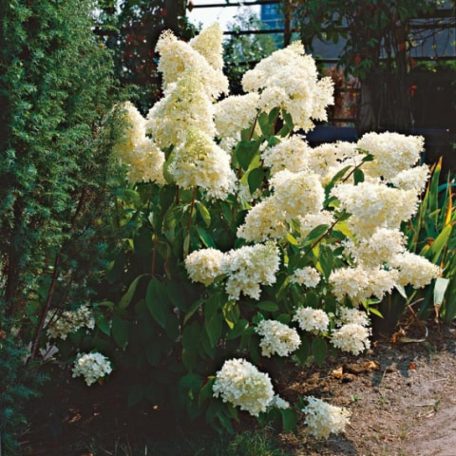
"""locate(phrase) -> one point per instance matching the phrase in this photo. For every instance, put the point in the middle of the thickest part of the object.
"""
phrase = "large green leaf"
(128, 296)
(156, 301)
(120, 330)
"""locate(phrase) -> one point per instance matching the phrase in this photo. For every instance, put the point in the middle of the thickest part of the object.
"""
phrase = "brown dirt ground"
(402, 397)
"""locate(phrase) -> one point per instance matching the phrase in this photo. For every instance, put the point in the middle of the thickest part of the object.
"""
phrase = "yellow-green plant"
(431, 233)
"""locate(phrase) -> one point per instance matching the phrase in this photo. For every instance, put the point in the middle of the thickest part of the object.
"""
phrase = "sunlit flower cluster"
(71, 321)
(415, 270)
(288, 79)
(298, 194)
(378, 248)
(242, 385)
(143, 159)
(249, 267)
(91, 366)
(277, 338)
(200, 162)
(177, 57)
(266, 220)
(360, 283)
(290, 154)
(392, 153)
(312, 320)
(308, 276)
(374, 205)
(352, 338)
(412, 179)
(234, 114)
(324, 419)
(350, 315)
(204, 265)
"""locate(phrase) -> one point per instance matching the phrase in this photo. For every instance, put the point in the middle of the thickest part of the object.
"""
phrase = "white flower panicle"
(315, 321)
(360, 283)
(177, 57)
(266, 220)
(375, 205)
(200, 162)
(329, 155)
(392, 153)
(352, 338)
(71, 321)
(234, 114)
(412, 179)
(242, 385)
(298, 194)
(278, 402)
(92, 366)
(288, 79)
(209, 44)
(204, 265)
(277, 338)
(146, 164)
(249, 267)
(133, 132)
(377, 249)
(415, 270)
(324, 419)
(184, 107)
(291, 154)
(348, 315)
(308, 276)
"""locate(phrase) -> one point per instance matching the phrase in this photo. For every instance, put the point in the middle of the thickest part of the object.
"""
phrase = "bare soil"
(402, 397)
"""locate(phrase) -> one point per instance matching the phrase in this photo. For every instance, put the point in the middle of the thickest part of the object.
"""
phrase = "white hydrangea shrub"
(191, 142)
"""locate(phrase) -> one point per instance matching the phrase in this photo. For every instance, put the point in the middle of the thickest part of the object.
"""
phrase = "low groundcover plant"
(243, 244)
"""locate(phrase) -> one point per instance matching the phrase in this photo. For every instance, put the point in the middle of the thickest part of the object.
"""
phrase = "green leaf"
(120, 331)
(265, 124)
(156, 302)
(204, 212)
(440, 289)
(358, 176)
(319, 350)
(245, 151)
(214, 329)
(103, 324)
(255, 179)
(316, 233)
(326, 260)
(289, 419)
(128, 296)
(205, 237)
(268, 306)
(440, 242)
(194, 307)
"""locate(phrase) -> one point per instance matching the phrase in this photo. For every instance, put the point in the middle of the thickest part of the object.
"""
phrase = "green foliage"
(170, 334)
(56, 86)
(18, 385)
(432, 234)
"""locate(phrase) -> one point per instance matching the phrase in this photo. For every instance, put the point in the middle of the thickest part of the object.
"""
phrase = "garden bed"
(401, 396)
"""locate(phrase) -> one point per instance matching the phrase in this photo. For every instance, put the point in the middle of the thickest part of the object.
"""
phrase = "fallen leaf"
(337, 373)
